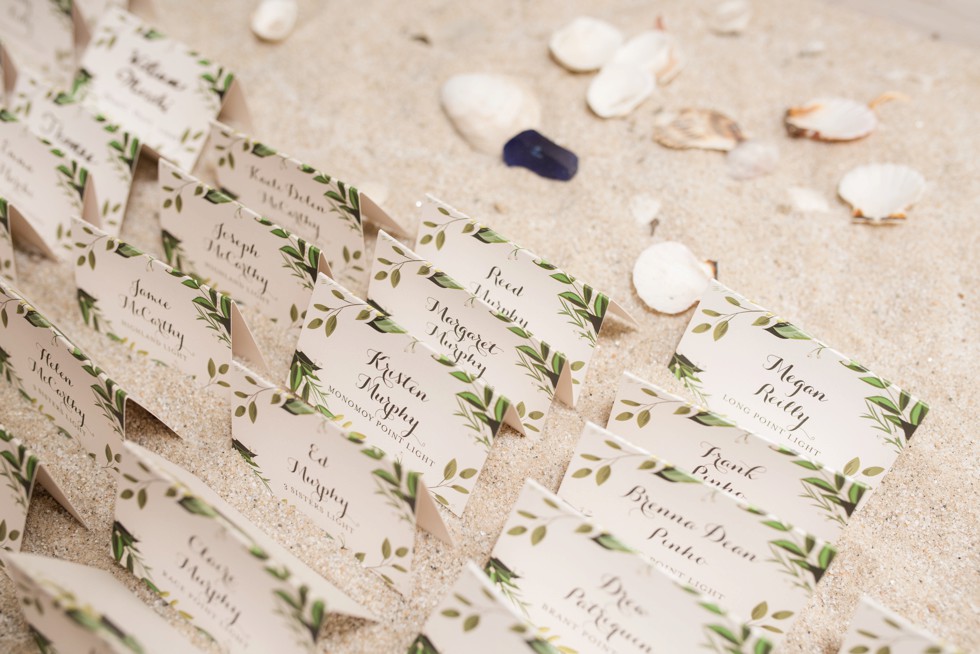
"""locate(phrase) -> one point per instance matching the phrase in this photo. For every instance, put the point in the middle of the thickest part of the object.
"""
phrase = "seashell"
(585, 44)
(704, 129)
(807, 200)
(273, 20)
(830, 119)
(669, 278)
(655, 50)
(750, 159)
(487, 110)
(730, 17)
(881, 192)
(619, 89)
(644, 209)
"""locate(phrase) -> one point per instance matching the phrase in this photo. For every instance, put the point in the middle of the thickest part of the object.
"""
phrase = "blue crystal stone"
(536, 153)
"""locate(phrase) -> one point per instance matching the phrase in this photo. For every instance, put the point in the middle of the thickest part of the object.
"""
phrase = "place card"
(218, 241)
(44, 33)
(8, 267)
(46, 187)
(157, 88)
(475, 618)
(878, 630)
(219, 571)
(769, 376)
(361, 368)
(313, 205)
(587, 591)
(61, 381)
(73, 608)
(752, 563)
(155, 310)
(20, 468)
(536, 295)
(107, 152)
(487, 344)
(367, 501)
(749, 466)
(93, 10)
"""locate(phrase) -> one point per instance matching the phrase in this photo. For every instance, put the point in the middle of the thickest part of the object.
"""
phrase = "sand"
(355, 92)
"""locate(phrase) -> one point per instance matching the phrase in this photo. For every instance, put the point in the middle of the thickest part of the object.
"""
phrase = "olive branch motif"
(730, 639)
(640, 410)
(893, 413)
(799, 558)
(719, 320)
(18, 467)
(600, 468)
(834, 494)
(584, 307)
(687, 373)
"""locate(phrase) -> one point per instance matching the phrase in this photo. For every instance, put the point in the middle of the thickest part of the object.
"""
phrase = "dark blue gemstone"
(536, 153)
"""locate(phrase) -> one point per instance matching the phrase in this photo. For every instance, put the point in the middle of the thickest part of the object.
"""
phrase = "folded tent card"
(769, 376)
(157, 88)
(311, 204)
(482, 341)
(218, 241)
(878, 630)
(589, 592)
(361, 368)
(748, 466)
(76, 609)
(220, 572)
(44, 34)
(757, 566)
(20, 469)
(367, 501)
(537, 296)
(8, 266)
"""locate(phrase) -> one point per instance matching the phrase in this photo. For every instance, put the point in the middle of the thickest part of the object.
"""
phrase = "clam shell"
(618, 89)
(585, 44)
(669, 278)
(704, 129)
(487, 110)
(731, 17)
(274, 20)
(881, 192)
(654, 50)
(830, 119)
(751, 159)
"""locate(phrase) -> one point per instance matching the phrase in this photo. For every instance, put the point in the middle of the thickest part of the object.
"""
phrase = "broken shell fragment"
(654, 50)
(750, 159)
(273, 20)
(881, 193)
(585, 44)
(731, 17)
(644, 209)
(669, 278)
(487, 110)
(807, 200)
(704, 129)
(618, 89)
(830, 119)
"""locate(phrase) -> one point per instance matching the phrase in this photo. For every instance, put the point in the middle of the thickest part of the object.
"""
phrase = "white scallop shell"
(830, 119)
(655, 50)
(273, 20)
(585, 44)
(619, 89)
(730, 17)
(704, 129)
(750, 159)
(487, 110)
(881, 192)
(669, 278)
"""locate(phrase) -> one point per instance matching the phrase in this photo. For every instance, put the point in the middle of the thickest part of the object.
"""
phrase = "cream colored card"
(46, 187)
(536, 295)
(62, 383)
(313, 205)
(208, 235)
(360, 367)
(43, 34)
(367, 501)
(587, 592)
(146, 305)
(749, 466)
(93, 10)
(877, 630)
(475, 618)
(769, 376)
(157, 88)
(107, 152)
(754, 564)
(215, 568)
(8, 267)
(74, 609)
(20, 468)
(485, 343)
